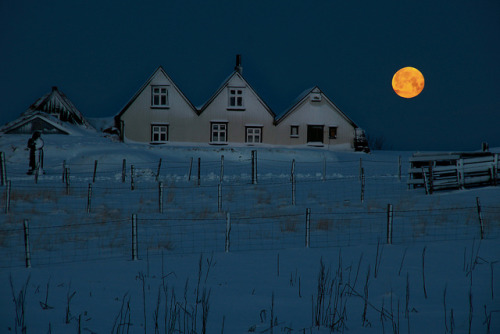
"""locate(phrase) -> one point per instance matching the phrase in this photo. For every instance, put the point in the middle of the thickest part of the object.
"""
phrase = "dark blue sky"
(100, 52)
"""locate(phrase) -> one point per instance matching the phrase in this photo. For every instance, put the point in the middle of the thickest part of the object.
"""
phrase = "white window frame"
(253, 132)
(218, 132)
(159, 96)
(294, 131)
(161, 131)
(236, 98)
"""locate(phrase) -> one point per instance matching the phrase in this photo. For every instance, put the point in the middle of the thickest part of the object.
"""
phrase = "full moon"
(408, 82)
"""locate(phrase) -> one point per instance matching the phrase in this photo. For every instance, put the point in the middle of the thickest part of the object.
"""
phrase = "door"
(315, 133)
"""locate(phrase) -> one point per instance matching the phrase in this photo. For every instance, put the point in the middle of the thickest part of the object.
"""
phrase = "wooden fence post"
(480, 216)
(134, 237)
(95, 171)
(308, 227)
(221, 177)
(158, 170)
(254, 167)
(399, 168)
(190, 169)
(89, 198)
(64, 171)
(124, 170)
(324, 168)
(219, 197)
(390, 217)
(228, 232)
(431, 179)
(27, 253)
(199, 171)
(7, 197)
(160, 197)
(37, 173)
(3, 171)
(460, 173)
(362, 185)
(360, 167)
(494, 169)
(292, 178)
(67, 179)
(132, 175)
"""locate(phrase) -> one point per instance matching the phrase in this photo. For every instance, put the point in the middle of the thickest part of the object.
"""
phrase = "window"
(159, 96)
(294, 131)
(219, 133)
(332, 132)
(235, 98)
(254, 135)
(159, 133)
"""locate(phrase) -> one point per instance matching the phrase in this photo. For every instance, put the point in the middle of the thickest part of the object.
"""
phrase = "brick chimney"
(238, 68)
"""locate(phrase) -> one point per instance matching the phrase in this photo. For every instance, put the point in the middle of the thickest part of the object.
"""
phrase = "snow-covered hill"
(437, 275)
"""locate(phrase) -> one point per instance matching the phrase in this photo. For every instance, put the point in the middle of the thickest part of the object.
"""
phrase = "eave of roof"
(36, 114)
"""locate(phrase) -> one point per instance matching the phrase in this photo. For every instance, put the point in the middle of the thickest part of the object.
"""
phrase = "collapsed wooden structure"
(438, 171)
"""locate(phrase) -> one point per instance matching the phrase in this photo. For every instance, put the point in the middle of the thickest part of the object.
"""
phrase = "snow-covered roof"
(43, 122)
(57, 103)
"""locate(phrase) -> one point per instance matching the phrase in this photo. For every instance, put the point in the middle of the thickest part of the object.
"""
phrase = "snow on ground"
(436, 276)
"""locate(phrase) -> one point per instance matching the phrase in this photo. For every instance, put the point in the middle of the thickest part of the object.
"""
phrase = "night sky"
(99, 53)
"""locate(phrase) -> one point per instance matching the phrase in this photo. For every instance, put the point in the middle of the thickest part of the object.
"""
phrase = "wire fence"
(84, 214)
(57, 239)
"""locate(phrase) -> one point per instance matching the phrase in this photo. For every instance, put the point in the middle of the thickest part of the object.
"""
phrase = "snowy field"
(302, 247)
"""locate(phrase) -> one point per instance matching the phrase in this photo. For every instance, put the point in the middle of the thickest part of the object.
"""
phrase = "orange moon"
(408, 82)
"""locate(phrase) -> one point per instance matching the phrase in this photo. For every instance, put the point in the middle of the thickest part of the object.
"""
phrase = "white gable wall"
(140, 115)
(315, 113)
(255, 114)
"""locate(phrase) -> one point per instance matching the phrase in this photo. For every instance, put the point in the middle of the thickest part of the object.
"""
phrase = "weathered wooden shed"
(50, 114)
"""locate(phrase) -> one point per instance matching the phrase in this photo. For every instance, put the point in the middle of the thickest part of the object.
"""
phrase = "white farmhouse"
(160, 113)
(316, 121)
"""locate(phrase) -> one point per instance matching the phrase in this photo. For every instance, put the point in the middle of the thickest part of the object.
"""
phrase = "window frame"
(330, 128)
(260, 128)
(292, 134)
(159, 133)
(160, 94)
(239, 93)
(219, 131)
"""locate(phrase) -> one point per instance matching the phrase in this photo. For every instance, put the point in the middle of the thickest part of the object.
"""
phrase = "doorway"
(315, 133)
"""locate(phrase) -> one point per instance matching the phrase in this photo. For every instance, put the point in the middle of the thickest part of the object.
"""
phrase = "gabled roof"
(36, 121)
(225, 84)
(146, 84)
(303, 97)
(56, 103)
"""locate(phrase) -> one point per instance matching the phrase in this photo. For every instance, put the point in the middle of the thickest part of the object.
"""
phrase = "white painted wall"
(140, 115)
(315, 113)
(188, 125)
(254, 113)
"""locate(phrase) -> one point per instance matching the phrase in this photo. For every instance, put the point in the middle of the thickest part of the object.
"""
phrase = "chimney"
(54, 88)
(238, 68)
